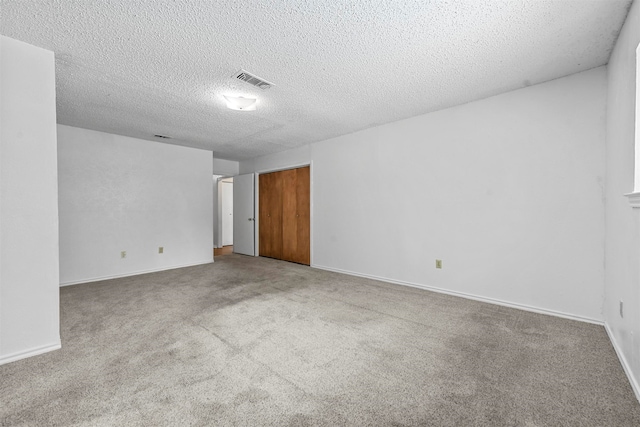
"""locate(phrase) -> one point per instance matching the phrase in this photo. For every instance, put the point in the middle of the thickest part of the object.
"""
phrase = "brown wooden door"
(270, 215)
(289, 215)
(303, 209)
(285, 215)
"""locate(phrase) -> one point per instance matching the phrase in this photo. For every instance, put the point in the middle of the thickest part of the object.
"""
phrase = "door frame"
(257, 203)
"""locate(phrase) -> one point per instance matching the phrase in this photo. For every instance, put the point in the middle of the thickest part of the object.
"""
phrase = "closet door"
(270, 215)
(303, 209)
(289, 215)
(285, 215)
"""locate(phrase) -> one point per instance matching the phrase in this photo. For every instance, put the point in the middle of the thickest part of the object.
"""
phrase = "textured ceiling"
(140, 68)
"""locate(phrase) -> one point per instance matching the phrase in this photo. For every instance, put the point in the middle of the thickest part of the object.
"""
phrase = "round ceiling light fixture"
(241, 103)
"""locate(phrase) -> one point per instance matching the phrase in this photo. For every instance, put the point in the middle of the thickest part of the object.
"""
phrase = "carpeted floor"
(258, 342)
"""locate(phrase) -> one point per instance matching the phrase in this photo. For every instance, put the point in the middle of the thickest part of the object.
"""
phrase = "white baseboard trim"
(467, 296)
(28, 353)
(623, 361)
(134, 273)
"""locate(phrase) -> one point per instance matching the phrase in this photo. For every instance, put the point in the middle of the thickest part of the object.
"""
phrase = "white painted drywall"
(125, 194)
(622, 222)
(29, 294)
(295, 157)
(225, 167)
(507, 191)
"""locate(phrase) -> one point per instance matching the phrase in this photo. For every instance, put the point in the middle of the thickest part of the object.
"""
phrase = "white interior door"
(244, 214)
(227, 213)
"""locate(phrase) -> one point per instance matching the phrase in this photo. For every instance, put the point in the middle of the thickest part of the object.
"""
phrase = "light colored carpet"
(258, 342)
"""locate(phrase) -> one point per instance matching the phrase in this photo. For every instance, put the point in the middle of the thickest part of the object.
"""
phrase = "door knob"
(250, 219)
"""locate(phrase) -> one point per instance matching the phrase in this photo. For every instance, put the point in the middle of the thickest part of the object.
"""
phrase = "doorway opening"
(223, 216)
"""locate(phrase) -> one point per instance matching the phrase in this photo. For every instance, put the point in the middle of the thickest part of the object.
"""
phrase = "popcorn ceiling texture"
(140, 68)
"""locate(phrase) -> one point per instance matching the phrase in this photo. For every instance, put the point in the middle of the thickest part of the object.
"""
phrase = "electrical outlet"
(123, 254)
(438, 263)
(161, 250)
(621, 308)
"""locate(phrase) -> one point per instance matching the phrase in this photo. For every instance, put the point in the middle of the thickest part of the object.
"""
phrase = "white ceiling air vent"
(253, 80)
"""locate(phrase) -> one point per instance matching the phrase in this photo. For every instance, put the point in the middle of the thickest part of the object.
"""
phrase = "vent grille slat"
(256, 81)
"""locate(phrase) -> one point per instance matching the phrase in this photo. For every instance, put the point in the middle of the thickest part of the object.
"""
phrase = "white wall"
(507, 191)
(125, 194)
(29, 295)
(294, 157)
(622, 222)
(225, 167)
